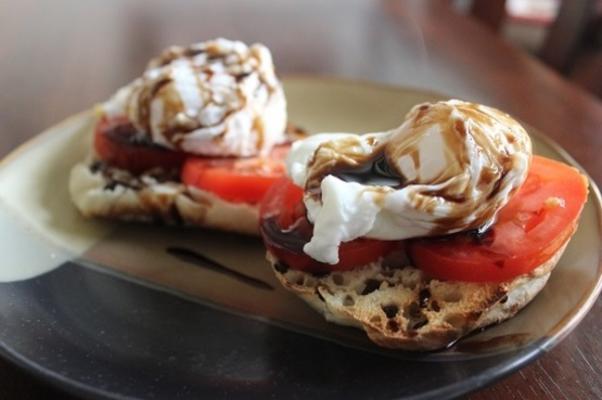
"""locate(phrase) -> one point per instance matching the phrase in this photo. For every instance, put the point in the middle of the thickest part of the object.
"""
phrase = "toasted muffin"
(401, 308)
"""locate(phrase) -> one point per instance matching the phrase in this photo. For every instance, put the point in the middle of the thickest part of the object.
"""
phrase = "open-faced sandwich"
(197, 139)
(424, 233)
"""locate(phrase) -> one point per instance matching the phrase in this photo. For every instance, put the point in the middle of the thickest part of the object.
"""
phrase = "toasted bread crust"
(401, 308)
(112, 193)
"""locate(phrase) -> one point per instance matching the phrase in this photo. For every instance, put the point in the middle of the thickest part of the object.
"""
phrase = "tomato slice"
(285, 230)
(530, 229)
(239, 180)
(116, 143)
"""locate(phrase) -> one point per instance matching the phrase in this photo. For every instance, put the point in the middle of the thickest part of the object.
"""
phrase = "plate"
(108, 310)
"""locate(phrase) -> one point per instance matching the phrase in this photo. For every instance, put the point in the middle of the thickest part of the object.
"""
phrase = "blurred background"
(59, 57)
(565, 35)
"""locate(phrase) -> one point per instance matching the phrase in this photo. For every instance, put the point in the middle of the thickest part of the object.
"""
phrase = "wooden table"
(59, 57)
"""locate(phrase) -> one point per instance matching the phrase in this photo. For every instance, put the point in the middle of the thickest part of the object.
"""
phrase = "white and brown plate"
(113, 310)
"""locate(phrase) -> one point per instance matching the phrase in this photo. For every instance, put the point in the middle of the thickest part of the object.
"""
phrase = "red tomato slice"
(537, 221)
(285, 230)
(235, 179)
(115, 143)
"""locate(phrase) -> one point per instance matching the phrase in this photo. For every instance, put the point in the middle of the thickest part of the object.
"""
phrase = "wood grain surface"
(60, 57)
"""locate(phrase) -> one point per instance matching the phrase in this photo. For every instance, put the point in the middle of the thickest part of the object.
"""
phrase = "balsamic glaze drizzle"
(200, 260)
(376, 172)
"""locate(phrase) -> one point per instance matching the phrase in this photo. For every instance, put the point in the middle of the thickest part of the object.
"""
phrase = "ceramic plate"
(112, 310)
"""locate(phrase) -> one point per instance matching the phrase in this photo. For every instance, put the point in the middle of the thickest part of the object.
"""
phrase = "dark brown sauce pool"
(375, 172)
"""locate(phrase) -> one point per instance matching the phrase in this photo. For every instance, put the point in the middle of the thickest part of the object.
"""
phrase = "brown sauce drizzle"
(496, 186)
(192, 52)
(374, 171)
(292, 239)
(484, 236)
(512, 340)
(200, 260)
(259, 128)
(341, 159)
(173, 102)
